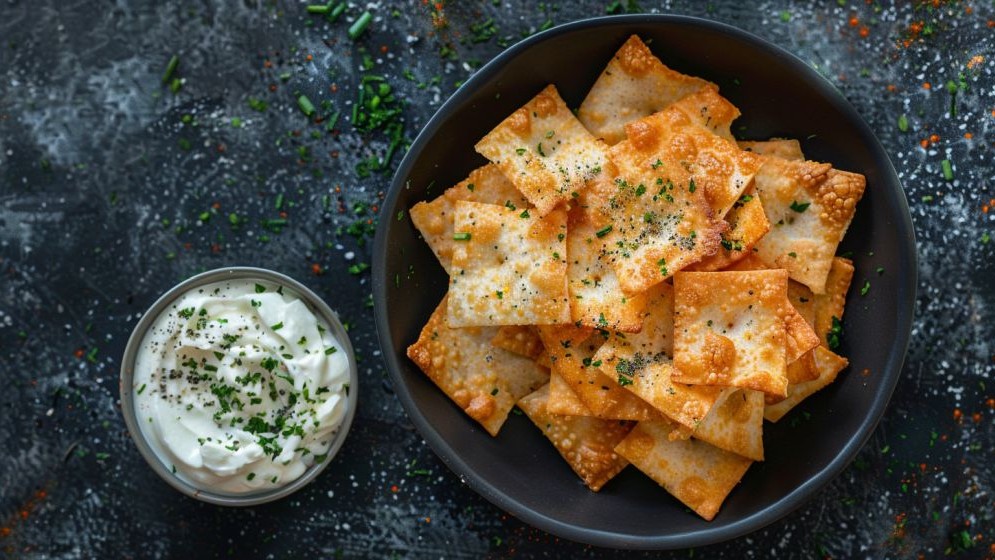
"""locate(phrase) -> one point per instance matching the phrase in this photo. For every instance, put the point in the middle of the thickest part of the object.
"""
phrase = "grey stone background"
(113, 188)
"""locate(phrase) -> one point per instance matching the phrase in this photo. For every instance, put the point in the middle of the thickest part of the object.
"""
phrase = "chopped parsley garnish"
(260, 288)
(834, 334)
(799, 206)
(277, 326)
(603, 231)
(461, 236)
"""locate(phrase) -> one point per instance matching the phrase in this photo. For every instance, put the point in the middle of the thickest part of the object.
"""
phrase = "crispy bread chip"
(587, 444)
(827, 364)
(695, 472)
(571, 350)
(635, 84)
(709, 110)
(545, 151)
(736, 423)
(802, 338)
(747, 225)
(509, 269)
(831, 303)
(435, 219)
(730, 329)
(777, 147)
(656, 215)
(543, 359)
(563, 400)
(519, 339)
(482, 380)
(810, 206)
(596, 298)
(644, 362)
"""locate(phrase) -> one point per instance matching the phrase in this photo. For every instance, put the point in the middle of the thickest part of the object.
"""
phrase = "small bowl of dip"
(239, 386)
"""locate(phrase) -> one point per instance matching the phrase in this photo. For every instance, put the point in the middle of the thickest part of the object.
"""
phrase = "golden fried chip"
(747, 224)
(545, 151)
(777, 147)
(810, 205)
(635, 84)
(801, 336)
(655, 215)
(827, 364)
(484, 381)
(735, 423)
(695, 472)
(709, 110)
(831, 303)
(643, 363)
(571, 350)
(587, 444)
(730, 329)
(434, 219)
(596, 297)
(509, 267)
(563, 400)
(519, 339)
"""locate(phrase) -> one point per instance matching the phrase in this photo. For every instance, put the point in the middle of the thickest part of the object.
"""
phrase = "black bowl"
(779, 95)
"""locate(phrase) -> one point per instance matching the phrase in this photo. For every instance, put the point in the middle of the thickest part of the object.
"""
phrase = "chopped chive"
(305, 105)
(948, 172)
(141, 389)
(603, 231)
(461, 236)
(357, 28)
(331, 350)
(174, 63)
(277, 326)
(337, 11)
(865, 288)
(279, 201)
(903, 123)
(799, 206)
(318, 8)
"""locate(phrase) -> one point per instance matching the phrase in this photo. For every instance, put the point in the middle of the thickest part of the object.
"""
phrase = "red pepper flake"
(334, 88)
(317, 271)
(854, 21)
(866, 372)
(79, 353)
(216, 206)
(968, 136)
(892, 88)
(926, 85)
(338, 188)
(334, 154)
(309, 58)
(267, 64)
(215, 248)
(283, 214)
(865, 32)
(222, 148)
(958, 414)
(272, 87)
(383, 49)
(991, 403)
(975, 61)
(924, 143)
(922, 467)
(934, 138)
(991, 23)
(394, 488)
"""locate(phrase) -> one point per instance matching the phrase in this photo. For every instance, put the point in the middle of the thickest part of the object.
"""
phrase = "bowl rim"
(315, 303)
(709, 535)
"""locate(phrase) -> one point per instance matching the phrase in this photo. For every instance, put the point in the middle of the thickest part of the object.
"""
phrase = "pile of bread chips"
(644, 287)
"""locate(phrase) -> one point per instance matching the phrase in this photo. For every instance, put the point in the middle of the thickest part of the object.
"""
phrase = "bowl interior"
(779, 96)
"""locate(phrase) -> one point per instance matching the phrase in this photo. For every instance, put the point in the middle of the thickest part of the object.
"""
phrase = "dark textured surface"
(104, 181)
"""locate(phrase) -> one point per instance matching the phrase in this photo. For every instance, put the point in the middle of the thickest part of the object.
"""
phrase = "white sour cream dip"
(239, 387)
